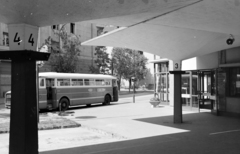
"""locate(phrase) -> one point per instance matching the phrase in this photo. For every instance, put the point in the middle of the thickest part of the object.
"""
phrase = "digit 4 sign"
(31, 39)
(23, 37)
(17, 39)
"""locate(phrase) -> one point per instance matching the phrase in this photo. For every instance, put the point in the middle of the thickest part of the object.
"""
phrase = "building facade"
(84, 30)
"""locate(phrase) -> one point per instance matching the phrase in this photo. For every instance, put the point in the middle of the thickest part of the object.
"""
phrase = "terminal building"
(209, 82)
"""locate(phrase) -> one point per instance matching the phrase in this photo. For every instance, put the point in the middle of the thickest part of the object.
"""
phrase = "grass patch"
(46, 122)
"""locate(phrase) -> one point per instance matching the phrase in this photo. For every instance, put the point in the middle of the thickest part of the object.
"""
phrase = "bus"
(63, 90)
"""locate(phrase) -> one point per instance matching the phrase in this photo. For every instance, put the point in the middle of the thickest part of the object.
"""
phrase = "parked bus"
(62, 90)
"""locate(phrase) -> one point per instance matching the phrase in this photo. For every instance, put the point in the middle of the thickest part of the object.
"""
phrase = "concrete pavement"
(127, 127)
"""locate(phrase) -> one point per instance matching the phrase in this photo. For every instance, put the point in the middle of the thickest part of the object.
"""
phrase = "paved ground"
(128, 128)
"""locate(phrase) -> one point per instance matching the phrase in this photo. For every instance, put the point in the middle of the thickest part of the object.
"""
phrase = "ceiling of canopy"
(49, 12)
(194, 30)
(174, 29)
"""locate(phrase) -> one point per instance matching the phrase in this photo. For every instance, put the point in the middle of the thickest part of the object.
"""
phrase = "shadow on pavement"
(205, 133)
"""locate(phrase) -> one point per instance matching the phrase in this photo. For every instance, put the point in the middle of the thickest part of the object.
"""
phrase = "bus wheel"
(107, 100)
(63, 104)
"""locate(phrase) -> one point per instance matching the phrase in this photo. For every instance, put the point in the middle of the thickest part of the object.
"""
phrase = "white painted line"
(230, 131)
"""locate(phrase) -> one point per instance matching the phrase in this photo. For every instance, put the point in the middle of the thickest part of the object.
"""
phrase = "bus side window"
(63, 82)
(99, 82)
(107, 82)
(89, 82)
(77, 82)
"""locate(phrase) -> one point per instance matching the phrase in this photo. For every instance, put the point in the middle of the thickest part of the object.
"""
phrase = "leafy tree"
(128, 63)
(64, 55)
(102, 62)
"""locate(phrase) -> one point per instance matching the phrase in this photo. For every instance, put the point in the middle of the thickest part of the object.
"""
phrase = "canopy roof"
(174, 29)
(194, 30)
(49, 12)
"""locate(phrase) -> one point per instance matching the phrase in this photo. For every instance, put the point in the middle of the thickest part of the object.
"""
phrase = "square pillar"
(177, 96)
(24, 107)
(24, 111)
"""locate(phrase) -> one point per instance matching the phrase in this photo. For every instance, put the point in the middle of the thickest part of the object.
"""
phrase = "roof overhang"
(49, 12)
(195, 30)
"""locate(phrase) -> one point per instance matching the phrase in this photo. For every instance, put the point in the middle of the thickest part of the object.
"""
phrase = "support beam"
(177, 117)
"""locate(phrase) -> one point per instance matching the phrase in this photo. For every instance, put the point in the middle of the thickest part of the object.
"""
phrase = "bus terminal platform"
(137, 128)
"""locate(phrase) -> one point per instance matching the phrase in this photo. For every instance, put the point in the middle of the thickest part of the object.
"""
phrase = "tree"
(149, 79)
(64, 54)
(128, 63)
(102, 62)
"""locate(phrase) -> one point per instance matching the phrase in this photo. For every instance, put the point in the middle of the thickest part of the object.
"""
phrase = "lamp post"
(134, 78)
(112, 65)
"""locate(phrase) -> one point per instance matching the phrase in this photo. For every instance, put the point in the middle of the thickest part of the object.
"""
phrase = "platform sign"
(23, 37)
(176, 66)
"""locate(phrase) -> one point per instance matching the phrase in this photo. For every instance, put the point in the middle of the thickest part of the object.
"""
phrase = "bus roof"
(74, 75)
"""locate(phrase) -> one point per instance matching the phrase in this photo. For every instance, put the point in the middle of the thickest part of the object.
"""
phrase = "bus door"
(115, 90)
(51, 93)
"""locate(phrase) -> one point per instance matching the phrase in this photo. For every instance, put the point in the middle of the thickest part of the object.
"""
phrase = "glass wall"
(190, 89)
(186, 92)
(194, 89)
(234, 78)
(162, 81)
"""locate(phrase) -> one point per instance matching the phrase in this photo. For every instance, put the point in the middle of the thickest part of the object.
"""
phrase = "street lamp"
(134, 78)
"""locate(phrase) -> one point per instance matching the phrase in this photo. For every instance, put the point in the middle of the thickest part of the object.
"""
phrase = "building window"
(55, 27)
(99, 31)
(5, 39)
(234, 81)
(72, 28)
(163, 67)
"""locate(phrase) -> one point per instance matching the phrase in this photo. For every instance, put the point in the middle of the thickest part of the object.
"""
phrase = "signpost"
(24, 103)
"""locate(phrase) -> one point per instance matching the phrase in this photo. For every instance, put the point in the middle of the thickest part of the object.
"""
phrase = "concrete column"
(177, 96)
(24, 109)
(23, 124)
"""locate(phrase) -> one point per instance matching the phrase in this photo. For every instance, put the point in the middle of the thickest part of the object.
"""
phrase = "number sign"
(176, 65)
(23, 37)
